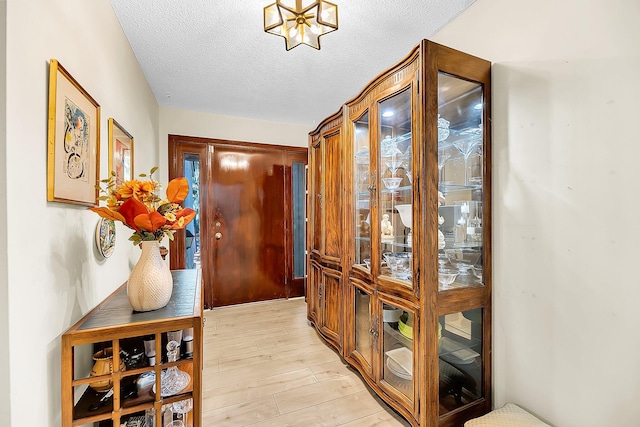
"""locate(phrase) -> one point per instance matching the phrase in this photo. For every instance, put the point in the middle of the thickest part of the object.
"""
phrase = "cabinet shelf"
(402, 189)
(396, 335)
(449, 188)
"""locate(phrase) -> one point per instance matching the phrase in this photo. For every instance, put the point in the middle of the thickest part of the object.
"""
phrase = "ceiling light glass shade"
(301, 24)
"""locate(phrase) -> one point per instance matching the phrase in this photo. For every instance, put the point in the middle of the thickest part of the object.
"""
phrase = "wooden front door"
(246, 242)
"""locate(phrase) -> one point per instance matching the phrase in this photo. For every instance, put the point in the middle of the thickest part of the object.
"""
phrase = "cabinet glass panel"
(460, 176)
(363, 324)
(192, 230)
(397, 341)
(395, 193)
(298, 200)
(460, 362)
(363, 187)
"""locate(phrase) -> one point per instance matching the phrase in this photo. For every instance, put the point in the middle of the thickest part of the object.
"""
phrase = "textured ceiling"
(214, 56)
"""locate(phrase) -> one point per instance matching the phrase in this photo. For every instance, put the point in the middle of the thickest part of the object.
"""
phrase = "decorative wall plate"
(105, 237)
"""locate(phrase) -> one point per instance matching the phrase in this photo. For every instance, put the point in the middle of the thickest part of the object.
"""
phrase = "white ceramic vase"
(150, 284)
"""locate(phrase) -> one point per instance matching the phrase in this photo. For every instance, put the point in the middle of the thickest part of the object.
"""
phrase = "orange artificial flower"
(136, 205)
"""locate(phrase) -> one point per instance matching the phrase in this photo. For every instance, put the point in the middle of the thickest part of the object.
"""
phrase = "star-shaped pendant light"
(302, 24)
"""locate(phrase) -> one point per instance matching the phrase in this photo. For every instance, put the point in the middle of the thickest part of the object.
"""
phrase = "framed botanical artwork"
(120, 152)
(73, 148)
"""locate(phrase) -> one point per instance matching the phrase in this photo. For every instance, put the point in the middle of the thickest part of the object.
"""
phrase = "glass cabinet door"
(363, 333)
(395, 195)
(460, 177)
(460, 359)
(363, 191)
(397, 348)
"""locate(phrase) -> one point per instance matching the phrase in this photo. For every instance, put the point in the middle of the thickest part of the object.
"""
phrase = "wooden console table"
(113, 323)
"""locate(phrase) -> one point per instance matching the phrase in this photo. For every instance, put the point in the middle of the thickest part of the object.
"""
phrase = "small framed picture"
(73, 146)
(120, 152)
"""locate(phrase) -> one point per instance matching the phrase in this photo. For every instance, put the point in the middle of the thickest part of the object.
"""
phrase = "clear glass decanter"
(173, 380)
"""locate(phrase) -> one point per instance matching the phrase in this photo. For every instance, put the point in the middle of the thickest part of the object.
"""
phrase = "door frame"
(176, 247)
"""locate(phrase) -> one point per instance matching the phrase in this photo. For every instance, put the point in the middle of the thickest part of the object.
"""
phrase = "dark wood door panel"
(245, 242)
(333, 198)
(248, 254)
(332, 295)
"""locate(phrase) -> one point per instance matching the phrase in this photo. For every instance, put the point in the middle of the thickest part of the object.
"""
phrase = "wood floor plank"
(241, 360)
(314, 394)
(263, 370)
(328, 414)
(210, 366)
(331, 370)
(242, 414)
(218, 351)
(306, 335)
(379, 419)
(257, 388)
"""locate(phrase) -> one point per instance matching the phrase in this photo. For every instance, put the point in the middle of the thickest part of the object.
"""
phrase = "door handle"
(218, 236)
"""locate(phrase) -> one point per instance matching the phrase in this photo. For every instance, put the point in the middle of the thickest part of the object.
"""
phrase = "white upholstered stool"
(509, 415)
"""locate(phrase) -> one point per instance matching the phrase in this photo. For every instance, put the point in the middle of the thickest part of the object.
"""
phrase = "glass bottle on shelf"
(461, 225)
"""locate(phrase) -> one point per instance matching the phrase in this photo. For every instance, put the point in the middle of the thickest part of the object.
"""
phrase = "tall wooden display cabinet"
(399, 235)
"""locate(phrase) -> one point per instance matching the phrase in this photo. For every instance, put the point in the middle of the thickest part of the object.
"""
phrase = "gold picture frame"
(73, 146)
(120, 152)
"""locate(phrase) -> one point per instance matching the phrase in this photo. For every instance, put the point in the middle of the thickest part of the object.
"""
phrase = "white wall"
(54, 274)
(5, 404)
(566, 160)
(205, 125)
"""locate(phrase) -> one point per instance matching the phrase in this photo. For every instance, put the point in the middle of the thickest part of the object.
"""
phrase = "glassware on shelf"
(446, 276)
(463, 258)
(182, 408)
(443, 128)
(407, 171)
(389, 147)
(173, 380)
(469, 224)
(442, 259)
(444, 154)
(474, 230)
(177, 337)
(477, 272)
(442, 242)
(392, 183)
(150, 349)
(150, 417)
(362, 176)
(469, 141)
(187, 338)
(460, 230)
(393, 165)
(399, 263)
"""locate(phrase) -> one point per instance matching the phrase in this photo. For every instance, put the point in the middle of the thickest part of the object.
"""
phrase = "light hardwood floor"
(265, 366)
